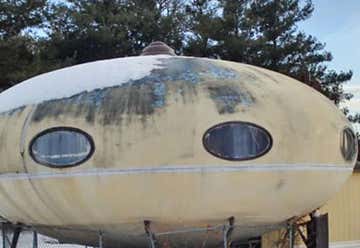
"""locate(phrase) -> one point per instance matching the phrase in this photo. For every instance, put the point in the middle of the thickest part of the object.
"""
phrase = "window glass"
(61, 147)
(237, 141)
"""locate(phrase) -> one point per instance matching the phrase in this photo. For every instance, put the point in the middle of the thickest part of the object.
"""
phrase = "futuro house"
(181, 144)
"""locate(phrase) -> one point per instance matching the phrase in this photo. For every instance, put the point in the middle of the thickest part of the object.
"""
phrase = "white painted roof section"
(75, 79)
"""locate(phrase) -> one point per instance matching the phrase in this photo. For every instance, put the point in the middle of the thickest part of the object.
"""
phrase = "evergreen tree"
(258, 32)
(203, 24)
(288, 51)
(265, 33)
(113, 28)
(17, 48)
(237, 39)
(16, 16)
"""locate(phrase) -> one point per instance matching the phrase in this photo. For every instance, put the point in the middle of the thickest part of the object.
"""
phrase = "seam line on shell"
(175, 170)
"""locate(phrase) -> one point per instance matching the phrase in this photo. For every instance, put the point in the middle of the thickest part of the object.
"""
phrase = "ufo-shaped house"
(183, 144)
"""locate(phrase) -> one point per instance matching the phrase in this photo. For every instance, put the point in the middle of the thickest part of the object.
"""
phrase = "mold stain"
(2, 137)
(227, 98)
(139, 99)
(13, 112)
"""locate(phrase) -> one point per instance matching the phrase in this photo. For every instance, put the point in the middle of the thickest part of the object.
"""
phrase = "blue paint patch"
(190, 71)
(159, 92)
(246, 99)
(221, 72)
(196, 70)
(143, 96)
(95, 97)
(189, 74)
(227, 98)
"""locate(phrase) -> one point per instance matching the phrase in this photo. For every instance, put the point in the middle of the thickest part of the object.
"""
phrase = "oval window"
(61, 147)
(348, 144)
(237, 141)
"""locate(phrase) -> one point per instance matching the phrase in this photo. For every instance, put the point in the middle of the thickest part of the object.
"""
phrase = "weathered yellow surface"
(109, 193)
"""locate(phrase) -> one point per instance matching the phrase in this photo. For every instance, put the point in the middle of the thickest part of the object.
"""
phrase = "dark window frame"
(349, 155)
(62, 128)
(268, 148)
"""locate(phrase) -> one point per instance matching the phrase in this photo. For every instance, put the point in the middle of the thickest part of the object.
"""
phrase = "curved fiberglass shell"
(155, 142)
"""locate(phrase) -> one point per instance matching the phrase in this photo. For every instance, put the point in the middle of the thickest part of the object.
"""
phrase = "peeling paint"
(221, 72)
(159, 92)
(69, 81)
(144, 96)
(227, 98)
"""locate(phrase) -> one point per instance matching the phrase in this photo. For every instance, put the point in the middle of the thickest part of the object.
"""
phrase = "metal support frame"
(227, 231)
(317, 230)
(151, 236)
(8, 228)
(254, 243)
(16, 236)
(291, 233)
(4, 236)
(35, 239)
(15, 229)
(101, 240)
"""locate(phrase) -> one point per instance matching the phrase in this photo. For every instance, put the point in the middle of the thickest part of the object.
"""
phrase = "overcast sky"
(337, 23)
